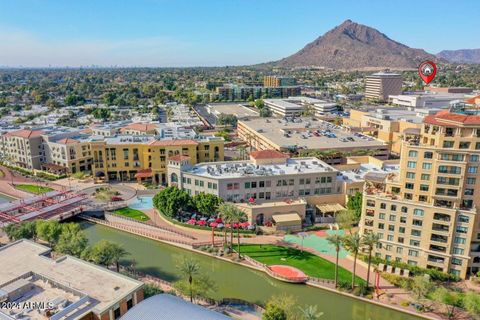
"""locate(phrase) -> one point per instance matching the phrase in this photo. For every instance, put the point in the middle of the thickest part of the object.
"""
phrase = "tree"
(49, 231)
(471, 302)
(171, 200)
(286, 303)
(24, 230)
(346, 220)
(207, 203)
(225, 210)
(311, 313)
(227, 119)
(450, 299)
(150, 289)
(336, 241)
(107, 253)
(353, 243)
(354, 204)
(421, 287)
(72, 240)
(238, 216)
(370, 240)
(189, 268)
(274, 312)
(101, 113)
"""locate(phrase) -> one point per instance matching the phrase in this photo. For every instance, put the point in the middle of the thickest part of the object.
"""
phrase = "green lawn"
(309, 263)
(33, 188)
(132, 213)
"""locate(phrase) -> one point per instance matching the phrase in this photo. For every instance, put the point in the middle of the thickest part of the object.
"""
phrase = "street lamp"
(303, 235)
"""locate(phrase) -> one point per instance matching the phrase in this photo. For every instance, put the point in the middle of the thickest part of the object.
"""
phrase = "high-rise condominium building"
(428, 215)
(380, 85)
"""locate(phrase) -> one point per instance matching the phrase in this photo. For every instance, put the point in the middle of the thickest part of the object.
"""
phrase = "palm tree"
(336, 241)
(117, 252)
(189, 267)
(238, 216)
(310, 313)
(370, 240)
(225, 210)
(353, 243)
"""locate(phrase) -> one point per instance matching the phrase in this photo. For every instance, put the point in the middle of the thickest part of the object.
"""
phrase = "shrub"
(398, 281)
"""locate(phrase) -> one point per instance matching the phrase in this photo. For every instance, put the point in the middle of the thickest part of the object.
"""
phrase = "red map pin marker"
(427, 71)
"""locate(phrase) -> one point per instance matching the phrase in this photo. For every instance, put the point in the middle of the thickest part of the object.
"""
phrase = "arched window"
(174, 177)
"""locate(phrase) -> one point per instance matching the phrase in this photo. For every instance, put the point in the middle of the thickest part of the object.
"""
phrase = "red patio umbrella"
(213, 224)
(218, 220)
(228, 225)
(192, 221)
(201, 223)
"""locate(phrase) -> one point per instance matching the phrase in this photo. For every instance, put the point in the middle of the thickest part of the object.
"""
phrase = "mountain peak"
(351, 45)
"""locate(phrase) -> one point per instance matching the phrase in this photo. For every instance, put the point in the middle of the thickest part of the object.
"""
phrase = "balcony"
(436, 259)
(437, 248)
(440, 227)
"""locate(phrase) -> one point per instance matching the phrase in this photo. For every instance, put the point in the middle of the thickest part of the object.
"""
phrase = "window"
(390, 237)
(472, 169)
(404, 209)
(416, 233)
(391, 227)
(424, 187)
(456, 262)
(412, 263)
(383, 205)
(410, 175)
(428, 155)
(381, 226)
(477, 145)
(401, 230)
(462, 229)
(425, 177)
(417, 222)
(413, 253)
(254, 184)
(418, 212)
(415, 243)
(381, 216)
(403, 219)
(412, 154)
(468, 192)
(400, 240)
(409, 185)
(247, 185)
(426, 166)
(393, 207)
(411, 164)
(463, 218)
(399, 250)
(116, 313)
(458, 251)
(129, 304)
(448, 144)
(474, 158)
(459, 240)
(464, 145)
(471, 180)
(391, 217)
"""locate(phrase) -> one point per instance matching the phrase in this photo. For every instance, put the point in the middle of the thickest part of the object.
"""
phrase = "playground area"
(318, 241)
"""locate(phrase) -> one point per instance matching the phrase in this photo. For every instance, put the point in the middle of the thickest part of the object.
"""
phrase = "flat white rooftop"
(358, 175)
(105, 286)
(247, 168)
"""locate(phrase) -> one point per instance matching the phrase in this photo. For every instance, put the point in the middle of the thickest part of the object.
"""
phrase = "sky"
(176, 33)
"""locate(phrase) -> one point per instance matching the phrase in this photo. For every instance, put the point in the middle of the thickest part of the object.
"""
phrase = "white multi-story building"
(380, 85)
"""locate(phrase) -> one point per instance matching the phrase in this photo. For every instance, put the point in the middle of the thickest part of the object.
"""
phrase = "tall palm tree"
(353, 243)
(336, 241)
(225, 210)
(238, 216)
(189, 267)
(370, 240)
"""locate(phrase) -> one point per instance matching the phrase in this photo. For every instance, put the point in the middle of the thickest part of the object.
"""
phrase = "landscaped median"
(310, 264)
(31, 188)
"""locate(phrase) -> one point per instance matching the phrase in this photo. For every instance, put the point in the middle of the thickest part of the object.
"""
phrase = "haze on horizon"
(162, 33)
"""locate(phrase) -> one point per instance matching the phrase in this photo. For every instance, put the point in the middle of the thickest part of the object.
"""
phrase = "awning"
(145, 173)
(287, 219)
(376, 176)
(330, 207)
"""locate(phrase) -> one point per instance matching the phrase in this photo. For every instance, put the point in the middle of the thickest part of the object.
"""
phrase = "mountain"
(356, 46)
(471, 56)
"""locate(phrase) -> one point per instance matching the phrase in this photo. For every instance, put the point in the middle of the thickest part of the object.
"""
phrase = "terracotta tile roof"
(451, 117)
(144, 127)
(179, 142)
(144, 173)
(267, 154)
(24, 133)
(67, 141)
(179, 157)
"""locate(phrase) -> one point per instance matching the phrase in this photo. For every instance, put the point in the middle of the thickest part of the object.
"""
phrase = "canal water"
(234, 281)
(5, 198)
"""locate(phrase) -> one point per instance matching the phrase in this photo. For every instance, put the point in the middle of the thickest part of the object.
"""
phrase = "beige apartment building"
(427, 216)
(380, 85)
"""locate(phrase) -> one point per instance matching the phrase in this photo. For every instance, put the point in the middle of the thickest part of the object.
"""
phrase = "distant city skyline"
(161, 33)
